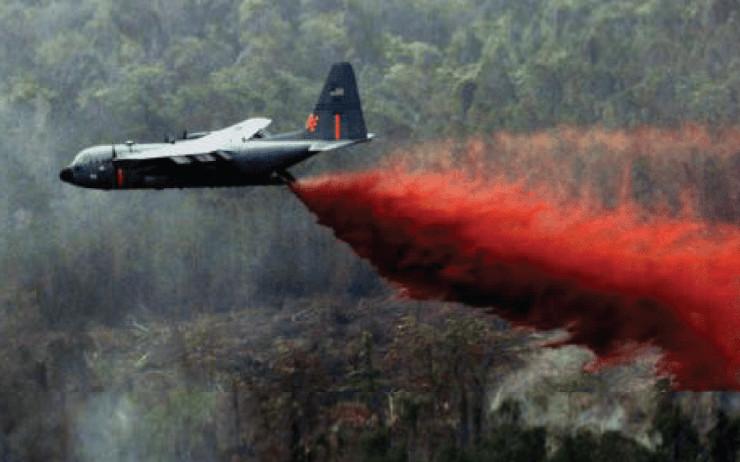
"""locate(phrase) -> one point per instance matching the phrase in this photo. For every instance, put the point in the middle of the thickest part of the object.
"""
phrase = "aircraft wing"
(212, 147)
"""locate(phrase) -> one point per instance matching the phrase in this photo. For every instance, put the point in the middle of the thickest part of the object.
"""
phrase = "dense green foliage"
(74, 73)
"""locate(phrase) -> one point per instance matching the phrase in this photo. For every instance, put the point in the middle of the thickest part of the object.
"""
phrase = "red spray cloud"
(614, 280)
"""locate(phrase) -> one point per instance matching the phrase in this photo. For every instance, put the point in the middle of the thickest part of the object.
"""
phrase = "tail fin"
(338, 114)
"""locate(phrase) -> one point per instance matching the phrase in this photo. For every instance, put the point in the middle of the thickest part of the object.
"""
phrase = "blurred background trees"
(74, 73)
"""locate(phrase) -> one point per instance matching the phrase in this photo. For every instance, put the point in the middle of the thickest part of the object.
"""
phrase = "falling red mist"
(614, 280)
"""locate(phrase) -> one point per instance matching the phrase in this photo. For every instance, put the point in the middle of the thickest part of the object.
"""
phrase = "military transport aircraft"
(241, 155)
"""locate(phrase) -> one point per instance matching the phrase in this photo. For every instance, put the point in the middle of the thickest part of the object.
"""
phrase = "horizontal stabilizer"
(324, 145)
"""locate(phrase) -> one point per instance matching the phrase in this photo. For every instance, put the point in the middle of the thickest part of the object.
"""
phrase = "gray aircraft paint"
(244, 154)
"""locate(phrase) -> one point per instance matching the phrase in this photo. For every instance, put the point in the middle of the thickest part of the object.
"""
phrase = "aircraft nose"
(66, 175)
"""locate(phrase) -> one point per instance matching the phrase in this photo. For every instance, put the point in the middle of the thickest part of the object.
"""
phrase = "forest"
(226, 324)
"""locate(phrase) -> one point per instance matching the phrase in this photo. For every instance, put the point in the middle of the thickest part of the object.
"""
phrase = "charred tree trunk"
(464, 427)
(478, 402)
(237, 417)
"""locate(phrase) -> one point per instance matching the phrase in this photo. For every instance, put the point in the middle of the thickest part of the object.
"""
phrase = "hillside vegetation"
(226, 325)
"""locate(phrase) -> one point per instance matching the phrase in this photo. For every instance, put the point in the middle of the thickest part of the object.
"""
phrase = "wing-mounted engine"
(193, 136)
(217, 146)
(185, 136)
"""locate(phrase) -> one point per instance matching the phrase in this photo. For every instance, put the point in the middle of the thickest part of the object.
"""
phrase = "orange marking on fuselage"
(119, 177)
(337, 126)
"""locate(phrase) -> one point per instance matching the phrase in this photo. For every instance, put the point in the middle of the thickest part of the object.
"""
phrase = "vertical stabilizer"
(338, 114)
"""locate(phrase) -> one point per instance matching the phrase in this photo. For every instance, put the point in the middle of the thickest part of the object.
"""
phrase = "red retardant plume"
(616, 281)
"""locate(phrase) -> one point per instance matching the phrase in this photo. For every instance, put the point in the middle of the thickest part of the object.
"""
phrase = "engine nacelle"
(193, 136)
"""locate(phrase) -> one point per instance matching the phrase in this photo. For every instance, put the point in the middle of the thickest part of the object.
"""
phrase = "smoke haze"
(226, 325)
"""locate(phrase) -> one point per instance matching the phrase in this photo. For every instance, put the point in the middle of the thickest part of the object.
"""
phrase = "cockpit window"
(96, 153)
(80, 158)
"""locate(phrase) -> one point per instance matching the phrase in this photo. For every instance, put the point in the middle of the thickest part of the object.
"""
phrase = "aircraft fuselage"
(256, 163)
(244, 154)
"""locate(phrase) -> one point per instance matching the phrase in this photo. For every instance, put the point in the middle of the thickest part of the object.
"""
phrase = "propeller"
(113, 151)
